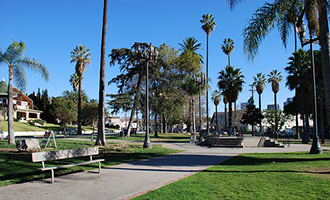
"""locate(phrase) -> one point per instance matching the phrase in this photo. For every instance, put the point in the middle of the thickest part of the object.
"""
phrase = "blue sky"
(51, 29)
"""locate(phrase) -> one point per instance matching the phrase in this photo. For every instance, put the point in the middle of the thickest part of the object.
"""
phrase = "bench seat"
(73, 164)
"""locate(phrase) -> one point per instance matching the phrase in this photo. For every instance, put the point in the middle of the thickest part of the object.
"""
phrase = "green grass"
(167, 137)
(256, 176)
(298, 141)
(17, 167)
(21, 126)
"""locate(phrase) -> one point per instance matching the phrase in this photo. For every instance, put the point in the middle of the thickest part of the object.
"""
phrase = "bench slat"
(71, 165)
(64, 154)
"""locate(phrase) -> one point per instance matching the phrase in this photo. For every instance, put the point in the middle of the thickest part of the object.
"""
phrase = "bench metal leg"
(52, 172)
(99, 167)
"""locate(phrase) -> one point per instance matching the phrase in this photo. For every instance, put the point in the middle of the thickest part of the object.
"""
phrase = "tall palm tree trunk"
(230, 116)
(275, 101)
(216, 118)
(225, 116)
(101, 132)
(193, 116)
(79, 107)
(207, 82)
(11, 108)
(305, 137)
(228, 60)
(322, 120)
(260, 112)
(325, 53)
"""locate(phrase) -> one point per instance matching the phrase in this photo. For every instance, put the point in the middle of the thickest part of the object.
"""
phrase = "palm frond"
(35, 65)
(19, 77)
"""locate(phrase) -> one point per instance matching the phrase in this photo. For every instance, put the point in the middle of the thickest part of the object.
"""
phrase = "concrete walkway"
(129, 180)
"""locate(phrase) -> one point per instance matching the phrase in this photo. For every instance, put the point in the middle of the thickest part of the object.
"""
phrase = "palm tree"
(14, 58)
(231, 83)
(80, 54)
(260, 81)
(74, 81)
(101, 132)
(275, 77)
(192, 90)
(189, 59)
(299, 78)
(285, 13)
(191, 44)
(208, 26)
(216, 97)
(227, 48)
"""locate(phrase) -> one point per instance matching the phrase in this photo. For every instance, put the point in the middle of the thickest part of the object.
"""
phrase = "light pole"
(315, 148)
(147, 54)
(200, 81)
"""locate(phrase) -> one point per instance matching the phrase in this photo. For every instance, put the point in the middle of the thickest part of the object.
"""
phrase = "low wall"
(251, 141)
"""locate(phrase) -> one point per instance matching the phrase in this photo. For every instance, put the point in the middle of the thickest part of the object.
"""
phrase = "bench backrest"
(63, 154)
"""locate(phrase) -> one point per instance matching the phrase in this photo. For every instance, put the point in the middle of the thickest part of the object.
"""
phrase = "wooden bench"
(65, 154)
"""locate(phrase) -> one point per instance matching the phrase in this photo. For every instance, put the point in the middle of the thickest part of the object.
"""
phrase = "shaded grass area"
(17, 167)
(256, 176)
(163, 137)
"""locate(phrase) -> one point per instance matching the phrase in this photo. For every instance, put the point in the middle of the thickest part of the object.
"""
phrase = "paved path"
(128, 180)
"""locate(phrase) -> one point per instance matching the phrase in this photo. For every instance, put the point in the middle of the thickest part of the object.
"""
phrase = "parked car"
(286, 134)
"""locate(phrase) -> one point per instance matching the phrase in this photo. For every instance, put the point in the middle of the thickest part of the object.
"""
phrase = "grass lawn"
(256, 176)
(17, 167)
(21, 126)
(166, 137)
(298, 141)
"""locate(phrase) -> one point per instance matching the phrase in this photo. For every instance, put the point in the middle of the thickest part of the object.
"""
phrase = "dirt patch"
(325, 171)
(8, 149)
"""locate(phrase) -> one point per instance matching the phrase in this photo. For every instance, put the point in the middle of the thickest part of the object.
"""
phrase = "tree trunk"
(101, 132)
(325, 53)
(297, 122)
(193, 116)
(216, 118)
(225, 116)
(235, 117)
(137, 121)
(303, 109)
(128, 134)
(322, 121)
(156, 125)
(165, 124)
(276, 123)
(11, 108)
(260, 112)
(79, 107)
(230, 116)
(207, 83)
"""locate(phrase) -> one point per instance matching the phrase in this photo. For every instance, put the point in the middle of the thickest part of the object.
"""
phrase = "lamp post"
(198, 81)
(315, 148)
(147, 54)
